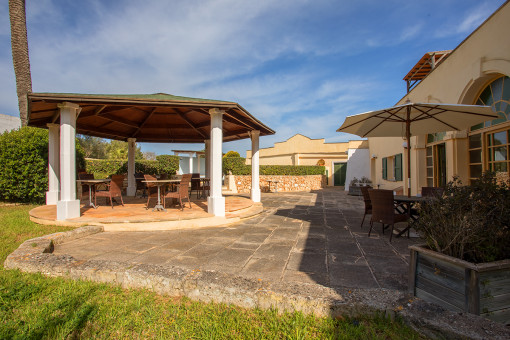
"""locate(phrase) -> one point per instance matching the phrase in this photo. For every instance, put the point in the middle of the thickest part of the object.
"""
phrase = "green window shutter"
(385, 168)
(398, 167)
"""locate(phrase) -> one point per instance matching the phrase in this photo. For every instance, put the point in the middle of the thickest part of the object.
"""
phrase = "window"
(394, 173)
(497, 151)
(397, 167)
(497, 95)
(385, 168)
(489, 148)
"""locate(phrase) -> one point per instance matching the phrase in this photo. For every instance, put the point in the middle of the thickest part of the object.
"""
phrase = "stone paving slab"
(305, 251)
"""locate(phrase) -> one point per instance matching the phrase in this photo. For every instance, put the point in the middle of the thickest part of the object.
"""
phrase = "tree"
(20, 60)
(93, 147)
(117, 149)
(232, 154)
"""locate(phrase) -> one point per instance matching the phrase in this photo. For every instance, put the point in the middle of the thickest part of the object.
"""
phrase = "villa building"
(476, 72)
(343, 161)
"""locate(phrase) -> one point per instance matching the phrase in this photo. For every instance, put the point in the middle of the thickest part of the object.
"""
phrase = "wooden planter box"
(482, 289)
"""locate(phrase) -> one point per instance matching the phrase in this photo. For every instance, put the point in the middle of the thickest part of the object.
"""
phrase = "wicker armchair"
(368, 203)
(195, 183)
(152, 188)
(114, 189)
(181, 193)
(383, 210)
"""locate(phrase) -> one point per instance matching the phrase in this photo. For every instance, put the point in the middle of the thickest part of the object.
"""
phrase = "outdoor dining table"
(92, 183)
(159, 183)
(205, 182)
(408, 202)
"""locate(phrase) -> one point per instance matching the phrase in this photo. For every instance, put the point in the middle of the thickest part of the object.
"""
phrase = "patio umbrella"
(412, 119)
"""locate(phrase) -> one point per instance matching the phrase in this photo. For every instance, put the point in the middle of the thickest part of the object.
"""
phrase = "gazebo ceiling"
(156, 118)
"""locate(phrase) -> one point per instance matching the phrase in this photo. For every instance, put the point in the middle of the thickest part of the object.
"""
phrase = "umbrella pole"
(408, 140)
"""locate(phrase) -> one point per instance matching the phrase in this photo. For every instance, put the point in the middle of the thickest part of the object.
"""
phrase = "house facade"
(343, 161)
(475, 73)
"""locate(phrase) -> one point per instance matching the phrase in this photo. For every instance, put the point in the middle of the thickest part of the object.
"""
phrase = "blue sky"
(298, 66)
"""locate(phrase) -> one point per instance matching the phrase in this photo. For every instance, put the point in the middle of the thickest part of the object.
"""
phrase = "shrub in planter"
(470, 223)
(465, 264)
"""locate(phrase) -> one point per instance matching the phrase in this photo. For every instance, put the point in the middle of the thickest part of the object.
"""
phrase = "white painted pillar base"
(68, 206)
(53, 193)
(216, 203)
(255, 178)
(131, 189)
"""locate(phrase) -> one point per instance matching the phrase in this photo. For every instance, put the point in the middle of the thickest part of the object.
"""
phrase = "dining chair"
(368, 203)
(152, 188)
(432, 191)
(195, 183)
(181, 193)
(140, 186)
(114, 190)
(383, 210)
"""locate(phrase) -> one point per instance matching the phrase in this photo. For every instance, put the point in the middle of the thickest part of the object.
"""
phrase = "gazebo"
(155, 118)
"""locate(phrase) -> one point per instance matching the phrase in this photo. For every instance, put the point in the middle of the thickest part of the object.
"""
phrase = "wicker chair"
(195, 183)
(383, 210)
(114, 189)
(152, 189)
(85, 187)
(368, 203)
(432, 191)
(181, 193)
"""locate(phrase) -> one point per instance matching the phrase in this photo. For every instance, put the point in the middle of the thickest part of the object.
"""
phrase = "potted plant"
(365, 181)
(465, 264)
(354, 188)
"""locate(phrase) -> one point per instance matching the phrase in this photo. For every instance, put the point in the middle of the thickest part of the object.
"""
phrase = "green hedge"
(238, 167)
(104, 167)
(24, 165)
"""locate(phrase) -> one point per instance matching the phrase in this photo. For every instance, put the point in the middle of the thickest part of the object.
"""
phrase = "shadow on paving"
(332, 250)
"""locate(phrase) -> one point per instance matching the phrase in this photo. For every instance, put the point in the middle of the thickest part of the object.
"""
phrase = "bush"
(102, 168)
(237, 165)
(168, 164)
(24, 165)
(232, 154)
(469, 222)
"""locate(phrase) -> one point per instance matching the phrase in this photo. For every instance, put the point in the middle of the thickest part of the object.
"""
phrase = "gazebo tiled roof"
(159, 118)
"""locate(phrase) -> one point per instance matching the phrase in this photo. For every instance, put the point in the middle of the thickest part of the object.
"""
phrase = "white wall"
(358, 165)
(184, 165)
(8, 123)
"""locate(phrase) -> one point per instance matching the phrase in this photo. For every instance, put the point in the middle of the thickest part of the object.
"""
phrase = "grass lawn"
(36, 307)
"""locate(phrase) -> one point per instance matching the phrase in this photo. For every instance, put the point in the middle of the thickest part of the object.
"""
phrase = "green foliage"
(100, 148)
(102, 168)
(232, 154)
(469, 222)
(168, 164)
(24, 165)
(238, 167)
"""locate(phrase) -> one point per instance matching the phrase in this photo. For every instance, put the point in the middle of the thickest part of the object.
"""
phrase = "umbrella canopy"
(412, 119)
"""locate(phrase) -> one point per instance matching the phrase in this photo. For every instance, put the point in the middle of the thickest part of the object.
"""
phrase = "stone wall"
(285, 183)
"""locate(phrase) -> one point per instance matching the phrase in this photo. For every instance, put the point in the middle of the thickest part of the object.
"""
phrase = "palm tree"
(19, 46)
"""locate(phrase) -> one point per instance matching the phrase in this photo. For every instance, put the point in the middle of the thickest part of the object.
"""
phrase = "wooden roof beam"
(144, 121)
(192, 125)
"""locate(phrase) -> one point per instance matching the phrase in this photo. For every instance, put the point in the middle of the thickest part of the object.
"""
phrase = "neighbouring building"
(343, 161)
(8, 123)
(191, 161)
(475, 72)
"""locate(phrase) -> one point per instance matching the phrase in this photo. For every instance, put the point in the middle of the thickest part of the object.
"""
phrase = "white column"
(216, 202)
(52, 195)
(131, 189)
(68, 206)
(207, 158)
(190, 163)
(255, 180)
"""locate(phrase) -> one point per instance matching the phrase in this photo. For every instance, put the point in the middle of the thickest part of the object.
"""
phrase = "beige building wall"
(481, 58)
(301, 150)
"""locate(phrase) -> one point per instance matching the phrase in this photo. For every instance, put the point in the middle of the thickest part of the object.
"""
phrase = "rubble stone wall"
(285, 183)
